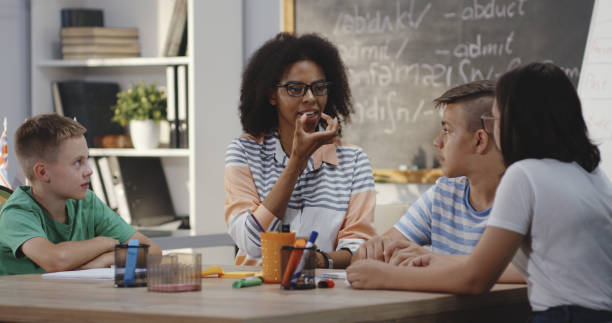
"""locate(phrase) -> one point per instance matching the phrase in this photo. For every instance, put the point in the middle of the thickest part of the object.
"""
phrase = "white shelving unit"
(214, 65)
(160, 152)
(116, 62)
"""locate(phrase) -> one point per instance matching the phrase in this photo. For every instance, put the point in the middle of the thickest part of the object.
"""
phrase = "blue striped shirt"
(444, 218)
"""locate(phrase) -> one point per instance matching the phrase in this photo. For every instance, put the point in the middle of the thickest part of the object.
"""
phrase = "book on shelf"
(99, 32)
(182, 106)
(98, 55)
(146, 190)
(107, 180)
(100, 40)
(183, 44)
(113, 141)
(90, 104)
(123, 208)
(177, 29)
(96, 181)
(82, 17)
(171, 105)
(57, 101)
(101, 49)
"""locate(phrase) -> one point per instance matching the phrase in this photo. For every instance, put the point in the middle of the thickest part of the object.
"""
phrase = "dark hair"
(477, 98)
(266, 68)
(39, 138)
(541, 117)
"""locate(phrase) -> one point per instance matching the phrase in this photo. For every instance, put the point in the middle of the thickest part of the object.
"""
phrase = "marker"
(130, 262)
(326, 283)
(305, 255)
(294, 260)
(248, 282)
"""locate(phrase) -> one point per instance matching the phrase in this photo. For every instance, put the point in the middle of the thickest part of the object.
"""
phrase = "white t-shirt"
(566, 215)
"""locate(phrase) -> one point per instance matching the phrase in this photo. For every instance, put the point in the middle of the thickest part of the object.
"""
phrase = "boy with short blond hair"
(57, 223)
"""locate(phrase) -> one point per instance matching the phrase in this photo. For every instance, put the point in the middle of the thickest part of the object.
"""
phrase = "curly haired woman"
(290, 166)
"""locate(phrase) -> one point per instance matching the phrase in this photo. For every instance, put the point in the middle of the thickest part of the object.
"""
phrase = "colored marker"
(294, 260)
(247, 282)
(326, 283)
(305, 255)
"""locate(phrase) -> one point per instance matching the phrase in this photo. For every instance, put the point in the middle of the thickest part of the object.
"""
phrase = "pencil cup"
(131, 265)
(271, 242)
(174, 272)
(298, 267)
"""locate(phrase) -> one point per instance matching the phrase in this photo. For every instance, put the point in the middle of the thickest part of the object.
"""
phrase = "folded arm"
(66, 255)
(107, 259)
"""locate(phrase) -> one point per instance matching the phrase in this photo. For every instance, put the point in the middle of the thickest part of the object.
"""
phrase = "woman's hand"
(369, 274)
(306, 143)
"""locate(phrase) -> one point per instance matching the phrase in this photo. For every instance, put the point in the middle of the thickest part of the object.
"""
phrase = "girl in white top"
(552, 210)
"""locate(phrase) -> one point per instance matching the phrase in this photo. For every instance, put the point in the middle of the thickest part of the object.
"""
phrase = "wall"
(262, 20)
(15, 75)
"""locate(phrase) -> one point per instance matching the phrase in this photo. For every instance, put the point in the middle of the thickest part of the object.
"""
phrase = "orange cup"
(271, 243)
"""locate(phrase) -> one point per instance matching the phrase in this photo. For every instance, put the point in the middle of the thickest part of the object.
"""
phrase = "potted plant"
(141, 107)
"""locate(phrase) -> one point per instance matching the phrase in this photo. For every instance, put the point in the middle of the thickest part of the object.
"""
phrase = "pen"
(247, 282)
(257, 222)
(300, 267)
(294, 259)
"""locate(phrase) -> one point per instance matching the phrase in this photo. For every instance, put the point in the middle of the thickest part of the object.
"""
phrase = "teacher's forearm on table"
(278, 198)
(341, 259)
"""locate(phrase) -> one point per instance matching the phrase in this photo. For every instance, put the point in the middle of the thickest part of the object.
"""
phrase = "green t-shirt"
(22, 218)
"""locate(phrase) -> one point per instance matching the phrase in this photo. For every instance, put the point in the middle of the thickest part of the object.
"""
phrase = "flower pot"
(144, 134)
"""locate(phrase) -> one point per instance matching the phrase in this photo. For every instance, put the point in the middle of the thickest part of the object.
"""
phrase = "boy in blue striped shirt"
(452, 215)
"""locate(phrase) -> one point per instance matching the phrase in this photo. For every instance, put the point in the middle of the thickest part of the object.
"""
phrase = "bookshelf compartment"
(129, 152)
(115, 62)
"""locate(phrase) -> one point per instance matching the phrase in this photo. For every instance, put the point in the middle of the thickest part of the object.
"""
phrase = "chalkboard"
(402, 54)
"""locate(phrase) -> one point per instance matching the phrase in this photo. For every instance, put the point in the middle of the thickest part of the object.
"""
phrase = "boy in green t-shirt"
(58, 223)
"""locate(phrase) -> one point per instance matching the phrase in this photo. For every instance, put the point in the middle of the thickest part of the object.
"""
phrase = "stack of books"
(99, 42)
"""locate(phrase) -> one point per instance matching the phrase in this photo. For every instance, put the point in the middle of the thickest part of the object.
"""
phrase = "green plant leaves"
(141, 102)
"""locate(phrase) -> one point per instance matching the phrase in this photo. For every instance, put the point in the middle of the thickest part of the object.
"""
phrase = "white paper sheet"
(94, 274)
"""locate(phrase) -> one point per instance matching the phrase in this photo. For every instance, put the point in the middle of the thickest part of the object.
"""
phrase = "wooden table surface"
(32, 298)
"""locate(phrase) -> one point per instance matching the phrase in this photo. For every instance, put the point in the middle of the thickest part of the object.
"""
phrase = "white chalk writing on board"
(402, 54)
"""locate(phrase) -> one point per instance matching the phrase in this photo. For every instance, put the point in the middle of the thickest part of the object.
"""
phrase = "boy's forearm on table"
(76, 253)
(104, 260)
(66, 255)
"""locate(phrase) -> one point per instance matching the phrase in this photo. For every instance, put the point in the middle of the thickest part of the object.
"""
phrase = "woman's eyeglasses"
(298, 89)
(487, 122)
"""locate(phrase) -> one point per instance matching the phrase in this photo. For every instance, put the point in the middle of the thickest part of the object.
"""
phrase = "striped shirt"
(444, 218)
(334, 195)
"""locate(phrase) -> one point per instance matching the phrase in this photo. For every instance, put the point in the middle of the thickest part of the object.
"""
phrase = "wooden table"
(32, 298)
